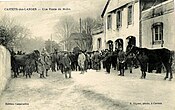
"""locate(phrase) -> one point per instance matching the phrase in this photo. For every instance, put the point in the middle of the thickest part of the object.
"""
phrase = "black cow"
(163, 56)
(23, 60)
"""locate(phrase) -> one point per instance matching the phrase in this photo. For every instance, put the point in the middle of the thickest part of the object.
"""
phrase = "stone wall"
(5, 68)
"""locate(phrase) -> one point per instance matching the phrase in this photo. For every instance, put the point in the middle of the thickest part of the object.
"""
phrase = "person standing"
(61, 65)
(41, 67)
(81, 61)
(67, 65)
(47, 61)
(143, 60)
(121, 59)
(96, 59)
(129, 61)
(108, 61)
(86, 61)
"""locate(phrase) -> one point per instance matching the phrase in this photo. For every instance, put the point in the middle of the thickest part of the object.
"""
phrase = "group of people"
(83, 60)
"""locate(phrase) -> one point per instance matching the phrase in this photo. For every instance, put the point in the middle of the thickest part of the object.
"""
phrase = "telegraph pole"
(80, 25)
(51, 44)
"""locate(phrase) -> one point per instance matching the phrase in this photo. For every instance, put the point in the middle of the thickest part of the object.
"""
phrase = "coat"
(81, 60)
(96, 57)
(121, 56)
(40, 66)
(129, 60)
(66, 63)
(47, 61)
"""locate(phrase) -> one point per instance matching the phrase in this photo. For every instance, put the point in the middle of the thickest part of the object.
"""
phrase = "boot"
(41, 76)
(144, 75)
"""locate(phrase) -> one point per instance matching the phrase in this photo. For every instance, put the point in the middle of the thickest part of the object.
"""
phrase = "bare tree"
(88, 25)
(65, 27)
(12, 33)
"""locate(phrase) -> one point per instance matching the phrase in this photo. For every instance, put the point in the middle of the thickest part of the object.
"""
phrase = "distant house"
(98, 40)
(158, 26)
(81, 40)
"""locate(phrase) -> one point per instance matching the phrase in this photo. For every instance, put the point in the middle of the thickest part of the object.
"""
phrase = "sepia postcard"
(87, 55)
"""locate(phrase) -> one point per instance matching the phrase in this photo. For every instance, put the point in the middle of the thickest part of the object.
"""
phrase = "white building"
(121, 19)
(98, 40)
(158, 26)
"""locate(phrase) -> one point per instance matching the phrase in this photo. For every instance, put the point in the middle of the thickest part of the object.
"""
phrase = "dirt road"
(90, 91)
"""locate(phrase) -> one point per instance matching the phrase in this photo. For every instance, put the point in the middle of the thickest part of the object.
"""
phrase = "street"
(90, 91)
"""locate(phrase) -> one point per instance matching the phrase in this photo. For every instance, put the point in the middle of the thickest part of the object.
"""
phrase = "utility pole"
(51, 44)
(80, 25)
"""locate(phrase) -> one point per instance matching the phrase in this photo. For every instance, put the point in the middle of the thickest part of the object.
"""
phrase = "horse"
(162, 55)
(23, 61)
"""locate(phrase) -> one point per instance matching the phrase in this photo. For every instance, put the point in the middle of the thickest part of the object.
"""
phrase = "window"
(157, 31)
(109, 22)
(99, 43)
(130, 14)
(119, 19)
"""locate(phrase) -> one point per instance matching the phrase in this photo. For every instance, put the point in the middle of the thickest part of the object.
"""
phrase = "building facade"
(158, 26)
(98, 40)
(121, 19)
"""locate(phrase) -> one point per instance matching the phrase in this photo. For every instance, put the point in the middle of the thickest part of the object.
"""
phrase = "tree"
(65, 27)
(68, 31)
(12, 33)
(89, 25)
(51, 46)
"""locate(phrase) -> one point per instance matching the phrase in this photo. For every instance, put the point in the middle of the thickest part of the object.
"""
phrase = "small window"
(119, 19)
(157, 31)
(130, 14)
(109, 22)
(99, 43)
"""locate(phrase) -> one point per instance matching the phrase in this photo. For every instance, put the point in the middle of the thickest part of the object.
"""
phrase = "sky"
(41, 22)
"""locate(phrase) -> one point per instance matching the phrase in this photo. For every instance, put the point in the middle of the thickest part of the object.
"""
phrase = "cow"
(23, 60)
(162, 55)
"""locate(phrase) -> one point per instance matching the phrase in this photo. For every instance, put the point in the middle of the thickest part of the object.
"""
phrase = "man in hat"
(67, 65)
(121, 59)
(81, 61)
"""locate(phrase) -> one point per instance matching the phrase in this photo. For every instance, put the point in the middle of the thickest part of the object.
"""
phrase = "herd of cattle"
(41, 62)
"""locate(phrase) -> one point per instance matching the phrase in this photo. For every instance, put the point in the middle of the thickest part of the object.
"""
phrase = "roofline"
(158, 5)
(104, 10)
(122, 6)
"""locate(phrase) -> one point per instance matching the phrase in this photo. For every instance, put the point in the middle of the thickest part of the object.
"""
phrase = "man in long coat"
(121, 59)
(81, 61)
(143, 60)
(41, 67)
(67, 65)
(47, 61)
(96, 59)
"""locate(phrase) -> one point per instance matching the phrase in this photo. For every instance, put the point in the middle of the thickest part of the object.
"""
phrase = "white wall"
(126, 30)
(95, 39)
(5, 67)
(168, 31)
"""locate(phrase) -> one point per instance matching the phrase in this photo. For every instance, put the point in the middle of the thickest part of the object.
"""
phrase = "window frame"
(157, 37)
(130, 14)
(119, 19)
(99, 43)
(109, 21)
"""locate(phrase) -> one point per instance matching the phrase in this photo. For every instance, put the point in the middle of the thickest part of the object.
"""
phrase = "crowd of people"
(83, 60)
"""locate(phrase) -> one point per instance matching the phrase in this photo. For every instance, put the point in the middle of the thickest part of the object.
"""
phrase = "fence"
(5, 67)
